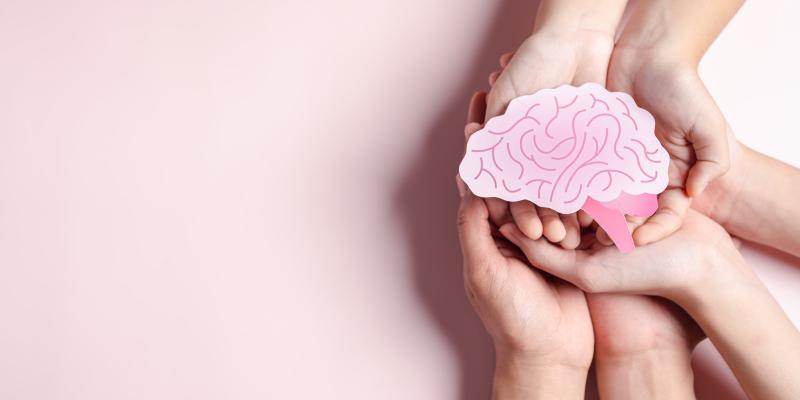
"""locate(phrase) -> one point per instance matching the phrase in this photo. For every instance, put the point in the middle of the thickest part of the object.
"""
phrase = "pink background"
(250, 200)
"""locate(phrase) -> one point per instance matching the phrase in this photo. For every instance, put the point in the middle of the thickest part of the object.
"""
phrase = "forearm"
(657, 374)
(594, 17)
(757, 200)
(751, 331)
(517, 378)
(684, 27)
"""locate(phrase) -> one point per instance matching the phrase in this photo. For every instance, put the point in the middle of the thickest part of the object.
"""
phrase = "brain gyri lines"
(569, 148)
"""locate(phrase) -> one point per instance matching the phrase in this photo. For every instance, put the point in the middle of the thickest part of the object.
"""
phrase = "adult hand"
(540, 325)
(571, 44)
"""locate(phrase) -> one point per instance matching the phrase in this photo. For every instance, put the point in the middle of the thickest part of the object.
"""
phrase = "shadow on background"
(427, 201)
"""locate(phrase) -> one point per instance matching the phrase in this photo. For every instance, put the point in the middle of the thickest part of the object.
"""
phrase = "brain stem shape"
(572, 148)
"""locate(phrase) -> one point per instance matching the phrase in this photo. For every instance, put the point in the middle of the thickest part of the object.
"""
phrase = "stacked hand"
(551, 292)
(541, 325)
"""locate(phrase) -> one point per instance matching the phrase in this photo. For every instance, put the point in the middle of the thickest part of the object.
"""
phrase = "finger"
(477, 108)
(710, 142)
(603, 238)
(526, 218)
(672, 207)
(704, 172)
(498, 211)
(737, 242)
(506, 58)
(584, 219)
(474, 230)
(471, 128)
(572, 236)
(544, 255)
(493, 77)
(552, 227)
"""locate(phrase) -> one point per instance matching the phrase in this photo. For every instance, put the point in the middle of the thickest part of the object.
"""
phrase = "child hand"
(689, 125)
(689, 260)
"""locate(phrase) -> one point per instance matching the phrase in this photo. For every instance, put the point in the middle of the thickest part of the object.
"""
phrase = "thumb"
(499, 96)
(710, 143)
(474, 230)
(703, 173)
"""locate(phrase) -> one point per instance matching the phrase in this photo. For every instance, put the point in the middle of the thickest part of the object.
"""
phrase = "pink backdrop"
(250, 200)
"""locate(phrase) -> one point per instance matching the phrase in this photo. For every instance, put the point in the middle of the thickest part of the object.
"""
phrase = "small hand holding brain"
(572, 148)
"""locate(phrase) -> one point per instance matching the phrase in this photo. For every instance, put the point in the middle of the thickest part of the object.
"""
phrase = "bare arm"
(751, 331)
(658, 374)
(698, 268)
(687, 27)
(756, 200)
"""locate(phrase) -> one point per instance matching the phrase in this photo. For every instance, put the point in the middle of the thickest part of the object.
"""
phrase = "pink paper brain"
(572, 148)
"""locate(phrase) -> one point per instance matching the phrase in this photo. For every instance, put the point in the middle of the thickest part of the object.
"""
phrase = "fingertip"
(505, 58)
(701, 175)
(641, 236)
(570, 243)
(649, 233)
(555, 231)
(511, 232)
(532, 229)
(471, 128)
(584, 219)
(572, 236)
(477, 107)
(696, 185)
(493, 77)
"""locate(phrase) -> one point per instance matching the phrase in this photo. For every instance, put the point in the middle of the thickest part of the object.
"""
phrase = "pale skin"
(541, 327)
(642, 344)
(699, 268)
(655, 60)
(543, 331)
(565, 49)
(571, 43)
(706, 276)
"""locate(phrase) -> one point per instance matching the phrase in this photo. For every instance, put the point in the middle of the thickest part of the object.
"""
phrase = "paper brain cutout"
(572, 148)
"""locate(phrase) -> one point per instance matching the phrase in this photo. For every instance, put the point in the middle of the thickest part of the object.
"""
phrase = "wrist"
(692, 26)
(522, 377)
(581, 18)
(727, 280)
(724, 196)
(646, 63)
(654, 374)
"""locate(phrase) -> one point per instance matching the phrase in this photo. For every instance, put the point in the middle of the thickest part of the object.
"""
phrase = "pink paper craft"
(572, 148)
